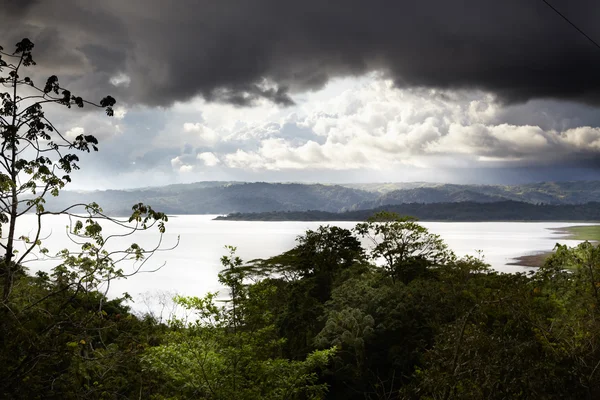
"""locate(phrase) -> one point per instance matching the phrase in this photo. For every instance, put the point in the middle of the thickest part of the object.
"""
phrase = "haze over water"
(192, 267)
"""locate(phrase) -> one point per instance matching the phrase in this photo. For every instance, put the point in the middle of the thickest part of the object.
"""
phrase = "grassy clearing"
(578, 232)
(591, 232)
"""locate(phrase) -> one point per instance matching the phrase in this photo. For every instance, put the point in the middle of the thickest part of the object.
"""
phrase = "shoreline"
(590, 233)
(531, 260)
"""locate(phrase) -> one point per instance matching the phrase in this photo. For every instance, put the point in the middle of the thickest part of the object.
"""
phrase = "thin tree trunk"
(8, 267)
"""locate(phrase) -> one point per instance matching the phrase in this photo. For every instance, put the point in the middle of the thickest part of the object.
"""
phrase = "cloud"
(362, 129)
(585, 139)
(17, 7)
(176, 162)
(184, 135)
(208, 158)
(180, 165)
(191, 127)
(72, 133)
(241, 52)
(201, 132)
(90, 124)
(245, 160)
(120, 112)
(120, 80)
(377, 127)
(369, 125)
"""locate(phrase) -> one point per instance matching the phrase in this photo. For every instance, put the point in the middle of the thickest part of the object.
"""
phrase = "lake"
(191, 268)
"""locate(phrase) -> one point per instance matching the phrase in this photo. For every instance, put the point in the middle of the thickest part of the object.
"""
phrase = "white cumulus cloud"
(208, 158)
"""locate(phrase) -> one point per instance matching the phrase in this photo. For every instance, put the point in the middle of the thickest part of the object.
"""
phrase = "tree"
(571, 275)
(219, 355)
(406, 248)
(322, 253)
(310, 270)
(36, 161)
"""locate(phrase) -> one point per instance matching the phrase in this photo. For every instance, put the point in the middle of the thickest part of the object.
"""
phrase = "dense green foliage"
(466, 211)
(230, 197)
(329, 319)
(61, 338)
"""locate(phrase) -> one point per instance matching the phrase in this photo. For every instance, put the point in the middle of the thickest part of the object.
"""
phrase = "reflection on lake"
(192, 267)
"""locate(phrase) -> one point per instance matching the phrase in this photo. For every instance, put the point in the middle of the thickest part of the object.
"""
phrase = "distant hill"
(426, 195)
(576, 192)
(227, 197)
(451, 212)
(215, 197)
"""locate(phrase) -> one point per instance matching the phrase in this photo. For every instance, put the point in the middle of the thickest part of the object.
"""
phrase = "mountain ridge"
(224, 197)
(503, 211)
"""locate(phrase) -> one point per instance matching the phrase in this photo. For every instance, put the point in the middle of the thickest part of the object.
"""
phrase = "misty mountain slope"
(265, 197)
(427, 195)
(186, 187)
(229, 197)
(390, 186)
(458, 211)
(573, 192)
(226, 198)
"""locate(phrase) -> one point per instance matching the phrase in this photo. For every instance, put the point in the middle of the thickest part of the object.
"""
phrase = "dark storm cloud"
(223, 50)
(16, 7)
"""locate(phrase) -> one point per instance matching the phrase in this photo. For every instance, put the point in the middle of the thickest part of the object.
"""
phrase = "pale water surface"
(191, 268)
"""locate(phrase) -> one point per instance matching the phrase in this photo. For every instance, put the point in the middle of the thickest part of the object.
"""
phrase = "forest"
(328, 319)
(402, 318)
(456, 212)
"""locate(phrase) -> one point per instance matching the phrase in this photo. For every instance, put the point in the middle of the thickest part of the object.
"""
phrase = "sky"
(465, 91)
